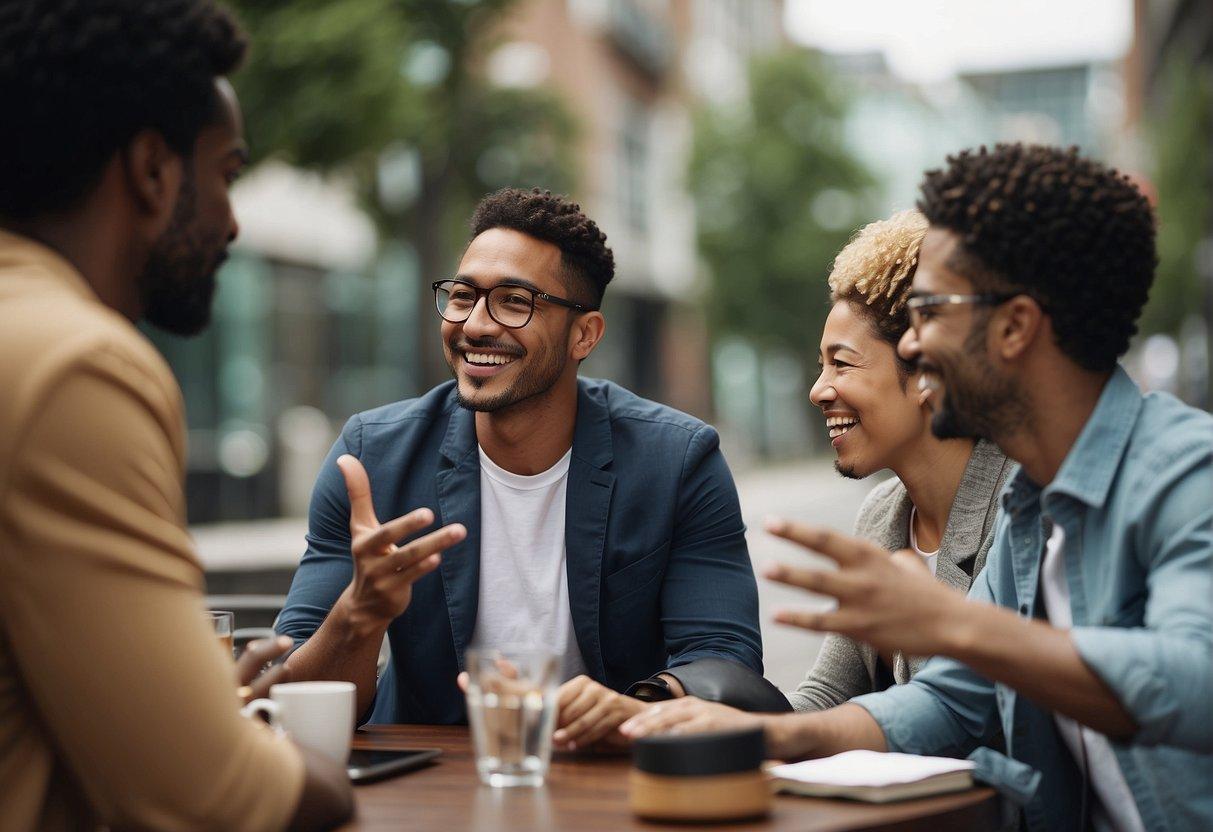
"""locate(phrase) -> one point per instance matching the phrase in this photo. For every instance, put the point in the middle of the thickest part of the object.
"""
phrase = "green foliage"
(322, 86)
(391, 92)
(1183, 172)
(342, 84)
(778, 194)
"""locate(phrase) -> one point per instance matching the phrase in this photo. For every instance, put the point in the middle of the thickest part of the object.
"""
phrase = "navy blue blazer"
(658, 570)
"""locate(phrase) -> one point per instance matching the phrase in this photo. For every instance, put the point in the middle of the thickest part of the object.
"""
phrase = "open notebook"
(873, 777)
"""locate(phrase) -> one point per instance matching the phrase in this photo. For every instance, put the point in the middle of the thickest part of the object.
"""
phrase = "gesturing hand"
(890, 601)
(384, 573)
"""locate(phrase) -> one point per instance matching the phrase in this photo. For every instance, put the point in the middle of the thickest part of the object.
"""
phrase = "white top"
(524, 586)
(1114, 809)
(932, 558)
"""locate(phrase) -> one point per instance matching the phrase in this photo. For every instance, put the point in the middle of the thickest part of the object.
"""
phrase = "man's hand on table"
(888, 600)
(788, 736)
(327, 798)
(384, 573)
(254, 684)
(589, 713)
(691, 715)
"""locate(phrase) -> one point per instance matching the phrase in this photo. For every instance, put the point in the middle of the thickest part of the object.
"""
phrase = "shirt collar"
(1087, 471)
(23, 254)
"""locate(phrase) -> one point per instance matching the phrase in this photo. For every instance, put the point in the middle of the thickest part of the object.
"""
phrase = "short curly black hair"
(80, 78)
(1070, 232)
(588, 263)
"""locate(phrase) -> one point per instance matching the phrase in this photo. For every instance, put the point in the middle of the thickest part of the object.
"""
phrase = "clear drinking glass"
(224, 623)
(511, 702)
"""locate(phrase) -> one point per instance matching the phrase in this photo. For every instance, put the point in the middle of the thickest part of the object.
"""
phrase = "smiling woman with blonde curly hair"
(943, 498)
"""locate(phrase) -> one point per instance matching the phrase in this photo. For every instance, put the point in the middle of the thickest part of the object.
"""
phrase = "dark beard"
(531, 382)
(846, 471)
(982, 404)
(948, 424)
(177, 284)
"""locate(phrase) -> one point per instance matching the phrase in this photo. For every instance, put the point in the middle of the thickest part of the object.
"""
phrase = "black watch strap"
(730, 683)
(653, 689)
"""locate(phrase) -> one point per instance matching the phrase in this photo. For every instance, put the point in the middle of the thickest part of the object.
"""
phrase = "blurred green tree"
(394, 94)
(1183, 160)
(777, 195)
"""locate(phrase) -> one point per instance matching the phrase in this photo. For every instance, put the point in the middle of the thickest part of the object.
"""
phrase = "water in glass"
(511, 703)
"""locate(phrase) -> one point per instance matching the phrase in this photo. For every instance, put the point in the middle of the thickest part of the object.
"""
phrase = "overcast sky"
(930, 39)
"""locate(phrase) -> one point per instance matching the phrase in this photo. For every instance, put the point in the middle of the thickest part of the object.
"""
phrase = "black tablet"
(367, 766)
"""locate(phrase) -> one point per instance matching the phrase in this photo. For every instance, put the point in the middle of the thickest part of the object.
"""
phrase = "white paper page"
(870, 768)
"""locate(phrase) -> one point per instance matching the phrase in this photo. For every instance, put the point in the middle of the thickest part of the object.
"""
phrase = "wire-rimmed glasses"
(920, 306)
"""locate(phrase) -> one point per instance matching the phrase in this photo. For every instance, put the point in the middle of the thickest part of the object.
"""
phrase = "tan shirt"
(117, 706)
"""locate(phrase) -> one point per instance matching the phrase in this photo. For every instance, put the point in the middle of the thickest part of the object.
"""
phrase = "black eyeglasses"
(508, 304)
(921, 306)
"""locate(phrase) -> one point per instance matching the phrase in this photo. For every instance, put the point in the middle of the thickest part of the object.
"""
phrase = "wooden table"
(591, 793)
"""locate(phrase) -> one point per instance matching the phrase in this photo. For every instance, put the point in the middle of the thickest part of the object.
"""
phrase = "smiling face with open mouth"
(872, 411)
(498, 366)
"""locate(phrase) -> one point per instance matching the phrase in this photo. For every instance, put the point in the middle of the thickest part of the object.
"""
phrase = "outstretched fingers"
(358, 486)
(379, 540)
(833, 583)
(415, 552)
(843, 549)
(840, 622)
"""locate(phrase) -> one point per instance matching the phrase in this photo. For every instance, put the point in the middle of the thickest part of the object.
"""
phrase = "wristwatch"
(653, 689)
(716, 680)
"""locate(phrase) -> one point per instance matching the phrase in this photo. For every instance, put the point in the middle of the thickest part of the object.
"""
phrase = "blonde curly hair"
(877, 265)
(874, 271)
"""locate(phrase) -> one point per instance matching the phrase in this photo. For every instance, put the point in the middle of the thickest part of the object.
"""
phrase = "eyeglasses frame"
(484, 293)
(931, 301)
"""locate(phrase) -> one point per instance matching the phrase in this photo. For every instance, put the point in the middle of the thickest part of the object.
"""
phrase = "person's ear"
(1015, 327)
(154, 173)
(587, 332)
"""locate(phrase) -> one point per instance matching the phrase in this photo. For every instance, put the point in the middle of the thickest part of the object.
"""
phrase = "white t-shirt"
(524, 586)
(1114, 808)
(932, 558)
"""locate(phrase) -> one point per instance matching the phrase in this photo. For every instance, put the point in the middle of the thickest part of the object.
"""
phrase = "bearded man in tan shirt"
(117, 706)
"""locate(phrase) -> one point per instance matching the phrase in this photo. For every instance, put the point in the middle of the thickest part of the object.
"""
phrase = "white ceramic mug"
(319, 715)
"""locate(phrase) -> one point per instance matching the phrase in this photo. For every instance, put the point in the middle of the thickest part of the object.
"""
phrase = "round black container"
(700, 777)
(697, 755)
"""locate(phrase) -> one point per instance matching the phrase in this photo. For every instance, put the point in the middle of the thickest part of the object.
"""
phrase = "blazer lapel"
(587, 509)
(458, 486)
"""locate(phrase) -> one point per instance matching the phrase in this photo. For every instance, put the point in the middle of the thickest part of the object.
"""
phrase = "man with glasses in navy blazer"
(569, 513)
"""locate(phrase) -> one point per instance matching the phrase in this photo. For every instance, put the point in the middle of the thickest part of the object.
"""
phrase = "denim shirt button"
(1023, 609)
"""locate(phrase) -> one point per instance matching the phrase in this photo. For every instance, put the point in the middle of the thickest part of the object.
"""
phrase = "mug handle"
(264, 706)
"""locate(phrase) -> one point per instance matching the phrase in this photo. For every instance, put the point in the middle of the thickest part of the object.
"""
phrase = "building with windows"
(900, 129)
(631, 72)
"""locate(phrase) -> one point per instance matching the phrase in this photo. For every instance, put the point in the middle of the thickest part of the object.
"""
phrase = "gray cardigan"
(844, 668)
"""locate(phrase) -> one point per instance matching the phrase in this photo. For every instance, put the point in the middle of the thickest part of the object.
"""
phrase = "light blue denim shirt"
(1135, 498)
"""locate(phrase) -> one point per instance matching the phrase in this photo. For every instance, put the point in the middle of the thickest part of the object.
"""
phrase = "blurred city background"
(728, 148)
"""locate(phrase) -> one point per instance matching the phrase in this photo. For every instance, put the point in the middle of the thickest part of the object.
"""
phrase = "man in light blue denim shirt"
(1030, 280)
